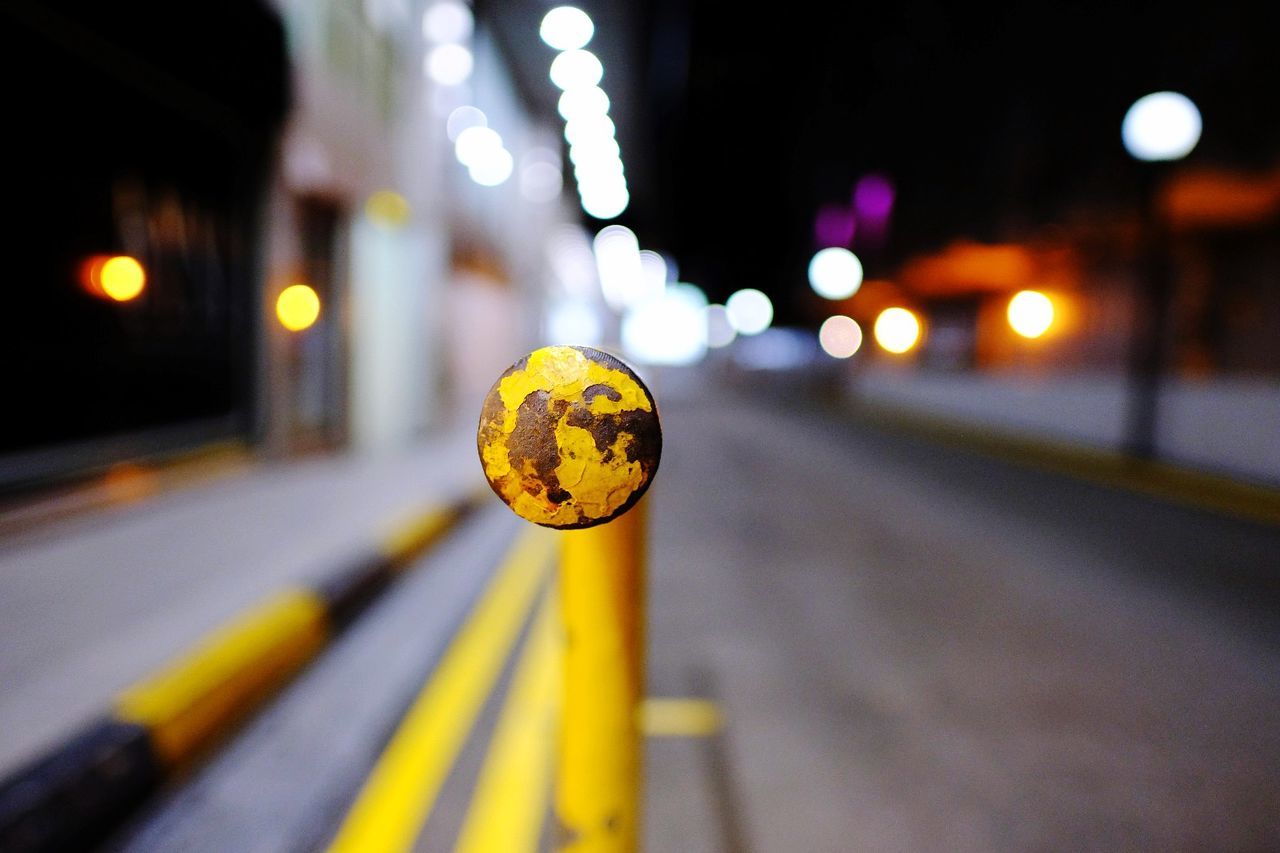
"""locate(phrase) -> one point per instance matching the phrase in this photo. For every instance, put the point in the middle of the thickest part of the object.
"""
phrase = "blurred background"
(963, 321)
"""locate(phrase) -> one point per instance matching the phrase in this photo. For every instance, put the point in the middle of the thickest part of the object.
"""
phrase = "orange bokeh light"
(117, 277)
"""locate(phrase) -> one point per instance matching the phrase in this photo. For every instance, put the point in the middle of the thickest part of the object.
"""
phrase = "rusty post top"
(569, 437)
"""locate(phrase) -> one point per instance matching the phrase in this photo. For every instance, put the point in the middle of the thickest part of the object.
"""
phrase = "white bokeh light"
(584, 131)
(606, 204)
(594, 150)
(670, 329)
(653, 277)
(840, 336)
(448, 64)
(583, 103)
(447, 22)
(603, 169)
(493, 168)
(463, 118)
(1161, 126)
(618, 263)
(750, 311)
(599, 181)
(566, 28)
(835, 273)
(475, 143)
(576, 69)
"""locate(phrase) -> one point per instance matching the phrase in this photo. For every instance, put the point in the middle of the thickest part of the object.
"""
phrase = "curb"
(1166, 481)
(71, 797)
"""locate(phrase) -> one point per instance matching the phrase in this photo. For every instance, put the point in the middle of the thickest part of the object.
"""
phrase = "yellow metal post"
(569, 438)
(602, 595)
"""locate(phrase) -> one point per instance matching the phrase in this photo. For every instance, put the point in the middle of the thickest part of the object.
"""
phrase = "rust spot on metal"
(593, 391)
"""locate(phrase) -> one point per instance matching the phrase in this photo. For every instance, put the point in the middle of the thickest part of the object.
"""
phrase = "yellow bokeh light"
(897, 330)
(121, 278)
(388, 208)
(297, 307)
(1030, 313)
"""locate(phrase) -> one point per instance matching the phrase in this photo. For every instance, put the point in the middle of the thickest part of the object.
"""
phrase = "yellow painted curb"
(200, 693)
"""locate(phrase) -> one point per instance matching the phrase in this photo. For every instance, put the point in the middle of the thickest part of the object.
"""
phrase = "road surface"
(914, 648)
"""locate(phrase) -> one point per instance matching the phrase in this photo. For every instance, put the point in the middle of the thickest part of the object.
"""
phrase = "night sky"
(992, 119)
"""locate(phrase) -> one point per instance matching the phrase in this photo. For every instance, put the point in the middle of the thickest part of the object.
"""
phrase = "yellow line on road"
(510, 801)
(671, 717)
(399, 794)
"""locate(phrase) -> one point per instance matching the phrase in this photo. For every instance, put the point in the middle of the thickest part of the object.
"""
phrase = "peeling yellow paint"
(587, 483)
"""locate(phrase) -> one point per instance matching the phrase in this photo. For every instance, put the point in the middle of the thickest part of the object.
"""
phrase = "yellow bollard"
(569, 438)
(597, 802)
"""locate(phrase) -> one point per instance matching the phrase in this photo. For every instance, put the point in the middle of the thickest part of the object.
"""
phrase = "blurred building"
(213, 160)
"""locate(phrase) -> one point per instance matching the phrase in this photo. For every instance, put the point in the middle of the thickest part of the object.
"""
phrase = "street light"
(896, 330)
(749, 310)
(1161, 126)
(1030, 313)
(1158, 129)
(835, 273)
(297, 307)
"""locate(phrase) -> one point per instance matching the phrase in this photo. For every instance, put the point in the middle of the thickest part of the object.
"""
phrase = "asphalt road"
(915, 648)
(919, 648)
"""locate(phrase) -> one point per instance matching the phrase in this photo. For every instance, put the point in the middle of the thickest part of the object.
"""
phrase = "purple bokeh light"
(873, 198)
(834, 226)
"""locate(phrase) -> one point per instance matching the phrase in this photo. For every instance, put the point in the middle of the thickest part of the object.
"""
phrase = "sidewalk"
(93, 602)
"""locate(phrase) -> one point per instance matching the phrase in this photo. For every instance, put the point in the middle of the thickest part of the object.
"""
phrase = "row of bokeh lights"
(665, 321)
(584, 106)
(898, 330)
(836, 273)
(661, 320)
(670, 321)
(123, 278)
(1162, 126)
(447, 27)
